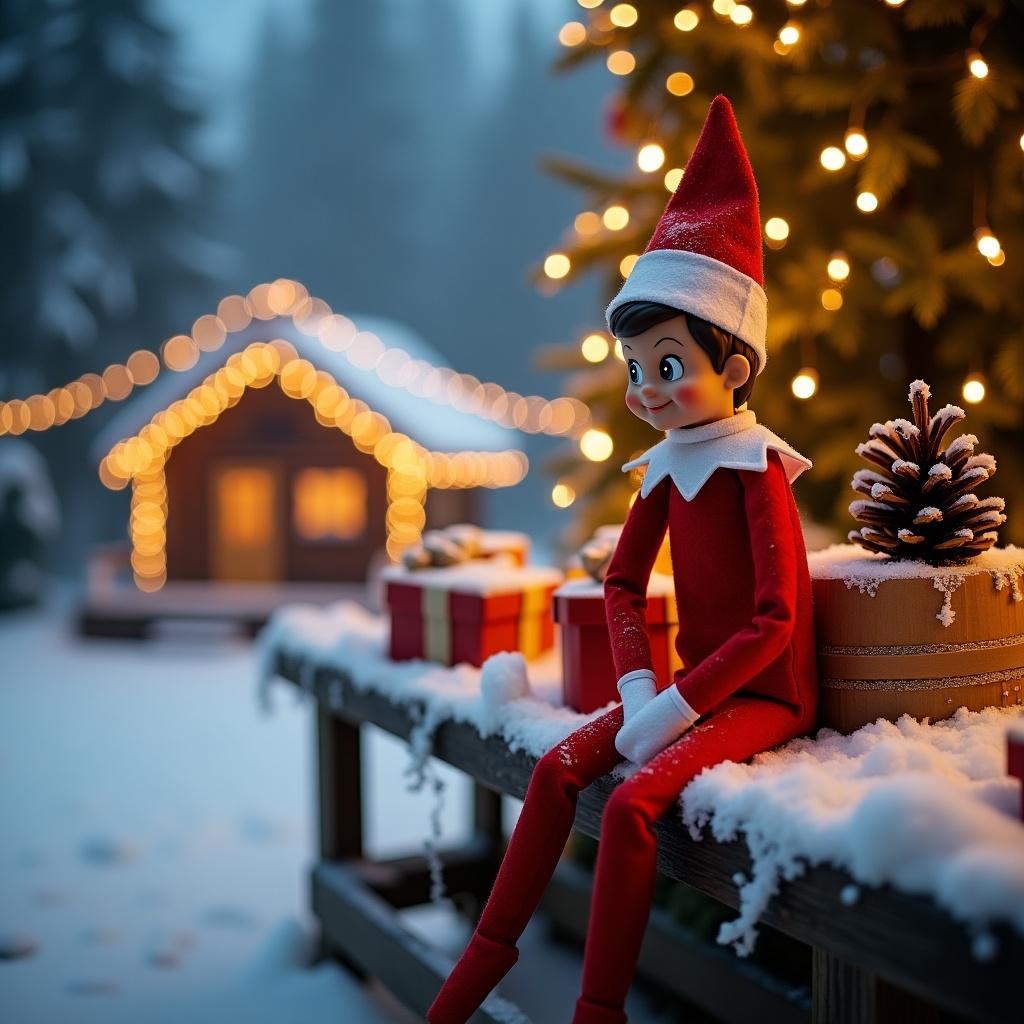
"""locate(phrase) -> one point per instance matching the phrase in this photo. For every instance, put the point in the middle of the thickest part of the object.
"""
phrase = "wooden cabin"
(270, 497)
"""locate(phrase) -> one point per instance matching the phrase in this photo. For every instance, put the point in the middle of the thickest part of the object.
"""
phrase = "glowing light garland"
(532, 414)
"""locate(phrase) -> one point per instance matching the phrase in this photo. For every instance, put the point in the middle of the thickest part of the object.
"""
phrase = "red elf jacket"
(739, 565)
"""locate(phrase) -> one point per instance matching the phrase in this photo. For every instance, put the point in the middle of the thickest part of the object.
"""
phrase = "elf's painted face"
(673, 383)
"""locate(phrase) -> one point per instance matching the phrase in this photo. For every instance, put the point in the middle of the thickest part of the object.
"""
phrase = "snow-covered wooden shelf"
(876, 949)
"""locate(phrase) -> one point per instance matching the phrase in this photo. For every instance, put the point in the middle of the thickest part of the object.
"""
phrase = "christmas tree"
(886, 138)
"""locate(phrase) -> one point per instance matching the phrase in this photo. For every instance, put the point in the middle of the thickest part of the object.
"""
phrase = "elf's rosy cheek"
(634, 403)
(684, 395)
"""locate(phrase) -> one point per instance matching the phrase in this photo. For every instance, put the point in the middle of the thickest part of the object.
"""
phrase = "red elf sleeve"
(767, 500)
(625, 584)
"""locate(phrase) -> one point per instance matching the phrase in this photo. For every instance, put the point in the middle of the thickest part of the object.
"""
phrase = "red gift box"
(1015, 756)
(467, 612)
(588, 672)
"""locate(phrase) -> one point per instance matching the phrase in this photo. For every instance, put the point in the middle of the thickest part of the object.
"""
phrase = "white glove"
(658, 723)
(636, 688)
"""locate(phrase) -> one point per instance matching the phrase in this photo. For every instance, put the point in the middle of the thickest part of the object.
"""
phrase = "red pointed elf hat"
(705, 255)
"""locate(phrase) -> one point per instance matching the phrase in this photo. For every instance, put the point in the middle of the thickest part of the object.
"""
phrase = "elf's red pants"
(738, 728)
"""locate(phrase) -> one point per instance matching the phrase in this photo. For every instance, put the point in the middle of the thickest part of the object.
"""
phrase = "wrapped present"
(469, 611)
(1015, 756)
(593, 558)
(588, 673)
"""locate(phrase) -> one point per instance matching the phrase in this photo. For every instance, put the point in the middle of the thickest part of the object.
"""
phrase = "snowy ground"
(157, 832)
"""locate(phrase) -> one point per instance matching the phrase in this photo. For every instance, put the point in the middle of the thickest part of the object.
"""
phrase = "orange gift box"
(469, 611)
(588, 672)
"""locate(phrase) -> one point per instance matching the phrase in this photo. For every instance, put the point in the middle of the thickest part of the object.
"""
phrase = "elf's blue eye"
(636, 374)
(670, 368)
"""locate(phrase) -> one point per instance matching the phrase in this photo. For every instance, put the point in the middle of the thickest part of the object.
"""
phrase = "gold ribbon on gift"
(534, 606)
(437, 625)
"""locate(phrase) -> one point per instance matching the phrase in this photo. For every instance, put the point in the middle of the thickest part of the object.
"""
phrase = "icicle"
(946, 585)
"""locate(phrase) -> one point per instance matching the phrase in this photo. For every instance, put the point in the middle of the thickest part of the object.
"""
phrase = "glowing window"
(245, 505)
(330, 504)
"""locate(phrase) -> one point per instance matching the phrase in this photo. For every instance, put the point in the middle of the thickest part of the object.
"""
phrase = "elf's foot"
(483, 964)
(591, 1013)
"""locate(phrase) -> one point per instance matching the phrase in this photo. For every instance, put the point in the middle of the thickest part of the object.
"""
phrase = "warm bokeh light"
(977, 65)
(621, 62)
(867, 202)
(596, 445)
(623, 15)
(838, 267)
(672, 178)
(776, 229)
(617, 350)
(557, 265)
(832, 158)
(679, 83)
(973, 389)
(805, 384)
(856, 143)
(741, 15)
(572, 33)
(589, 4)
(595, 348)
(998, 260)
(563, 495)
(587, 223)
(650, 157)
(686, 20)
(832, 299)
(789, 34)
(988, 244)
(627, 263)
(723, 7)
(615, 218)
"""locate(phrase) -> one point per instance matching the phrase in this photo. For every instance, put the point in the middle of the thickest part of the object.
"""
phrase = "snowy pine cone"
(920, 502)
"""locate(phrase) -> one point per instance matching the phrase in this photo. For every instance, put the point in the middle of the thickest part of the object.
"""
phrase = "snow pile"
(503, 678)
(348, 637)
(925, 807)
(867, 571)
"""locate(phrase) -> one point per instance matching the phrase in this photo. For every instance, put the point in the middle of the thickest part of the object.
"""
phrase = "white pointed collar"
(689, 455)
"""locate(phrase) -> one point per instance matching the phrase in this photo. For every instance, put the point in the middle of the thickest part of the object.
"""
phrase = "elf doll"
(691, 321)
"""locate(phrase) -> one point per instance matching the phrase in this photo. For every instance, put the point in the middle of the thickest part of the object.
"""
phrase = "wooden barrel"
(891, 653)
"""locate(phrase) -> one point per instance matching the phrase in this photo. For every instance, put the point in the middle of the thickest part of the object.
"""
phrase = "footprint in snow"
(108, 851)
(17, 945)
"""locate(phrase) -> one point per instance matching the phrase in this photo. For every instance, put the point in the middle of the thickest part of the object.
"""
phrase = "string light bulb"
(867, 202)
(838, 266)
(789, 34)
(987, 243)
(572, 33)
(679, 83)
(977, 64)
(596, 445)
(672, 178)
(776, 231)
(832, 299)
(741, 15)
(562, 495)
(832, 158)
(856, 143)
(623, 15)
(650, 157)
(595, 348)
(615, 218)
(805, 384)
(687, 19)
(620, 62)
(973, 389)
(557, 265)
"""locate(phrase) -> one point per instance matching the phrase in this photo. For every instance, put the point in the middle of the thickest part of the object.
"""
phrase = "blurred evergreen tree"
(102, 195)
(888, 148)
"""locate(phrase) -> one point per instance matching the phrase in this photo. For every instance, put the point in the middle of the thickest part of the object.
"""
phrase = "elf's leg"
(627, 853)
(533, 852)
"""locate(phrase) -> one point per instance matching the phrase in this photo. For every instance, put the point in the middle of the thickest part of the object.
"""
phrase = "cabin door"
(246, 528)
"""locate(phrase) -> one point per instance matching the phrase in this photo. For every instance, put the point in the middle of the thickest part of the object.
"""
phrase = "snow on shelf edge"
(926, 807)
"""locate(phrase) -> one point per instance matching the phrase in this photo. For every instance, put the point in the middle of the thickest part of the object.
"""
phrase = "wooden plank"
(367, 931)
(906, 939)
(842, 993)
(710, 976)
(406, 881)
(340, 775)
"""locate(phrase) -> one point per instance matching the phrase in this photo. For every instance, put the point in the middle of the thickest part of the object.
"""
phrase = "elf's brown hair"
(633, 318)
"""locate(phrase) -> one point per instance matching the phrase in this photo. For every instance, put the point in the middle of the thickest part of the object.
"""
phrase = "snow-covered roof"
(438, 427)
